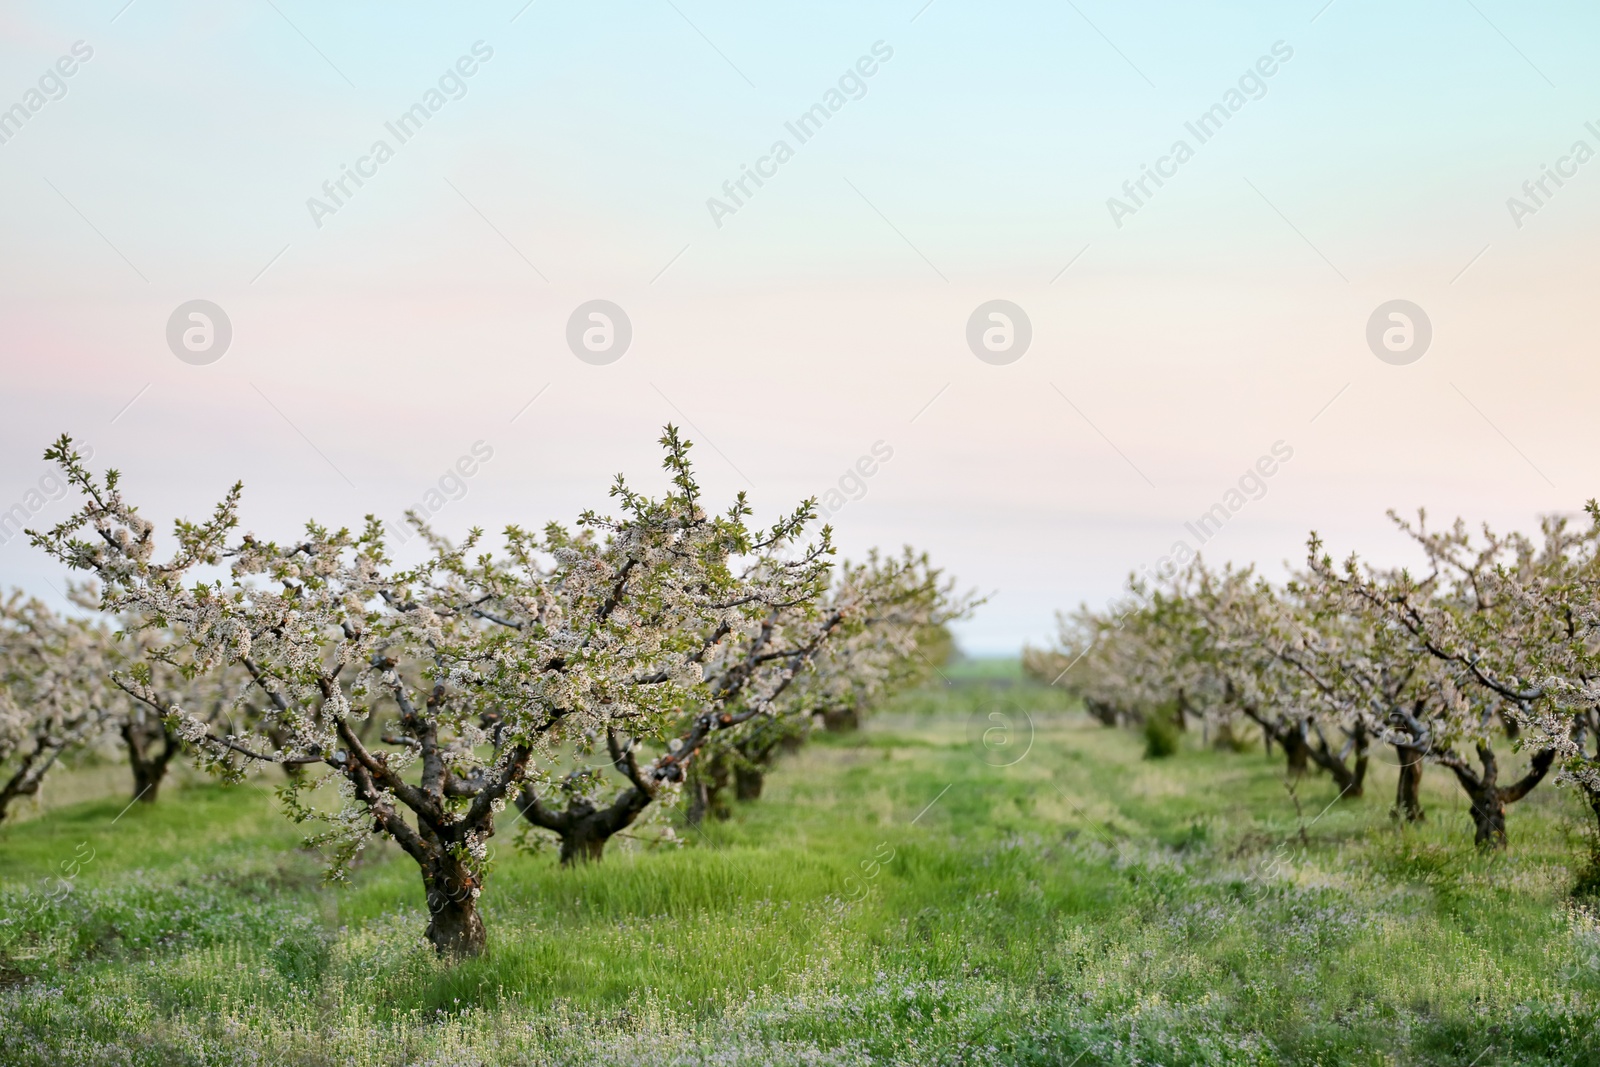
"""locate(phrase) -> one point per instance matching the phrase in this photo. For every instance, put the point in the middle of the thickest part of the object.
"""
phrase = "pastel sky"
(374, 346)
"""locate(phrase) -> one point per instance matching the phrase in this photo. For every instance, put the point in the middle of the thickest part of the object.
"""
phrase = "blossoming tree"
(893, 615)
(486, 665)
(54, 694)
(1493, 614)
(755, 686)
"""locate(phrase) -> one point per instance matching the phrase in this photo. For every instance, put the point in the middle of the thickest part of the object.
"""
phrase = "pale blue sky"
(830, 309)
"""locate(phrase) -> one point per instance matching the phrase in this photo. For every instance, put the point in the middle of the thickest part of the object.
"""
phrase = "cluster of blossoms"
(69, 682)
(434, 695)
(1495, 639)
(54, 691)
(870, 629)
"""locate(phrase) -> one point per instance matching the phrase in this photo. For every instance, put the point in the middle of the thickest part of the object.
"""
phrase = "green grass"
(928, 890)
(984, 669)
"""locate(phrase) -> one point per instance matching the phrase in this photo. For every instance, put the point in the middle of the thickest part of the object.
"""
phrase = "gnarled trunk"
(583, 828)
(582, 847)
(455, 928)
(747, 783)
(705, 791)
(1225, 738)
(1351, 780)
(1296, 752)
(1488, 799)
(147, 782)
(705, 798)
(149, 766)
(1105, 713)
(699, 803)
(20, 784)
(1408, 791)
(1488, 818)
(29, 771)
(1288, 733)
(754, 756)
(841, 720)
(1358, 778)
(584, 840)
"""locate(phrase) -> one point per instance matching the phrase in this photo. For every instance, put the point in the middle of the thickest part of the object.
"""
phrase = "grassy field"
(907, 894)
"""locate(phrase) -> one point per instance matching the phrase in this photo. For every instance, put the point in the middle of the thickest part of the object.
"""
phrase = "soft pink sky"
(826, 314)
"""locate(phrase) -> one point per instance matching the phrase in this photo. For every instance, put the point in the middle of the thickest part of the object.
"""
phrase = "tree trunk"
(25, 781)
(705, 798)
(32, 765)
(149, 768)
(13, 789)
(1295, 750)
(583, 828)
(841, 720)
(588, 828)
(747, 783)
(1358, 779)
(1408, 791)
(147, 780)
(454, 927)
(1105, 713)
(582, 845)
(706, 786)
(456, 930)
(1226, 739)
(1488, 799)
(1350, 782)
(1488, 818)
(699, 803)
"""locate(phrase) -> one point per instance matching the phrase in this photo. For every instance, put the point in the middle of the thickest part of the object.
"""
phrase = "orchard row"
(1493, 641)
(591, 679)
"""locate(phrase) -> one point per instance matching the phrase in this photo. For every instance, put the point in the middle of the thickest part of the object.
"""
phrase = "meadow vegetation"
(1082, 904)
(723, 798)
